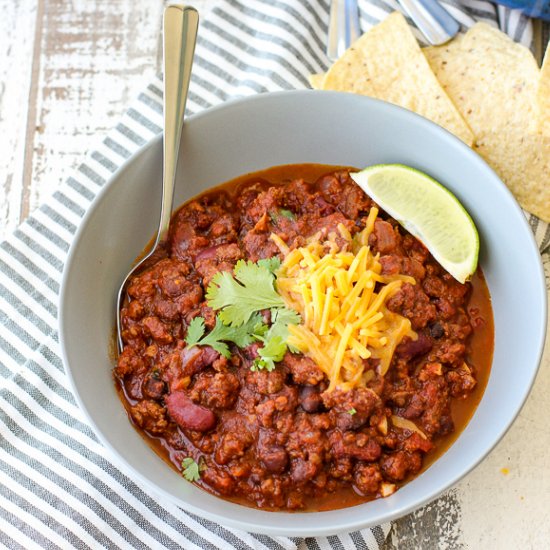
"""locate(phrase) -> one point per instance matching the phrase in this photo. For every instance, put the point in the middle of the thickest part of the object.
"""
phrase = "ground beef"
(216, 390)
(149, 416)
(277, 439)
(367, 478)
(304, 371)
(222, 257)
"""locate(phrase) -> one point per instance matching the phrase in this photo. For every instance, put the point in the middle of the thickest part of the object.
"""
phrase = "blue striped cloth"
(59, 487)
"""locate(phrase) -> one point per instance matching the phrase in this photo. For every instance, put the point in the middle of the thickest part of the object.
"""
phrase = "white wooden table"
(67, 72)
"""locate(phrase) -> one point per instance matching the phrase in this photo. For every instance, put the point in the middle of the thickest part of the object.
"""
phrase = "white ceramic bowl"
(283, 128)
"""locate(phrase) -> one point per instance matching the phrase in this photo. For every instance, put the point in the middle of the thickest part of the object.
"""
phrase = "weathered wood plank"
(17, 31)
(94, 56)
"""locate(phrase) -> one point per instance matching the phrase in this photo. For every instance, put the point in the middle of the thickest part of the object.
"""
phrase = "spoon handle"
(180, 33)
(432, 19)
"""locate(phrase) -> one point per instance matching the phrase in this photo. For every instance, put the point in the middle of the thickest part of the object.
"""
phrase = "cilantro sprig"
(274, 339)
(270, 353)
(191, 470)
(218, 337)
(239, 297)
(280, 319)
(248, 291)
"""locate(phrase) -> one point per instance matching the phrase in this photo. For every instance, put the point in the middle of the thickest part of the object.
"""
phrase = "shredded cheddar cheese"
(339, 290)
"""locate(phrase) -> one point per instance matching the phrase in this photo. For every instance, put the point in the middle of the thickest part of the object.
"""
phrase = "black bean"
(436, 331)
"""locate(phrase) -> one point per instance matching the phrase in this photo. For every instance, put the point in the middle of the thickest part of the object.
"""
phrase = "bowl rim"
(352, 524)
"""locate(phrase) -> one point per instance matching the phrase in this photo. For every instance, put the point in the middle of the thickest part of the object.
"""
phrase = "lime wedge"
(428, 211)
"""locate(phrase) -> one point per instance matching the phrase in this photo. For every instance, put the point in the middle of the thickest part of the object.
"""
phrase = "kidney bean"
(208, 253)
(153, 388)
(310, 399)
(188, 415)
(196, 358)
(274, 459)
(413, 348)
(346, 421)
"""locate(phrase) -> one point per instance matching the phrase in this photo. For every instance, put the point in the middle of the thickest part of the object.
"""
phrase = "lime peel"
(427, 210)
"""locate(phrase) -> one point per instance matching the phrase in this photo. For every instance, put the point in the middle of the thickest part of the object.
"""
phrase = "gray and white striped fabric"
(59, 488)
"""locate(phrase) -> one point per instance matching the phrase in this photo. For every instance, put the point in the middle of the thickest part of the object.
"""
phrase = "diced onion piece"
(404, 424)
(387, 489)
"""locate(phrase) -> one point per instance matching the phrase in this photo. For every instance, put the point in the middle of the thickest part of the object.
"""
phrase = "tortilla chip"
(493, 82)
(316, 81)
(387, 63)
(543, 95)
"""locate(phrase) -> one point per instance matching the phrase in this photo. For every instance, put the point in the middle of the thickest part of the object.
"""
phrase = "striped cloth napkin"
(59, 488)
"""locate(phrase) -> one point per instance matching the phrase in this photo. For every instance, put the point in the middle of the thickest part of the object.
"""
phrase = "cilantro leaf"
(287, 214)
(259, 328)
(195, 331)
(195, 336)
(272, 352)
(238, 297)
(271, 264)
(216, 342)
(191, 471)
(275, 215)
(280, 319)
(352, 411)
(274, 338)
(241, 336)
